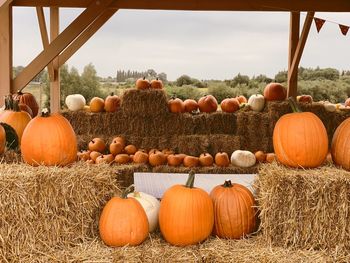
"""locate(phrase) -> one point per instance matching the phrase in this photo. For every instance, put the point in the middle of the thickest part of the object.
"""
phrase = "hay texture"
(305, 208)
(155, 249)
(51, 207)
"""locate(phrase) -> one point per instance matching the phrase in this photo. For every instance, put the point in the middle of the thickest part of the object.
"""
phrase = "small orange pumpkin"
(97, 144)
(123, 221)
(108, 158)
(112, 103)
(140, 157)
(174, 159)
(176, 105)
(157, 158)
(94, 155)
(191, 161)
(119, 139)
(143, 83)
(221, 159)
(190, 105)
(230, 105)
(235, 215)
(130, 149)
(28, 99)
(300, 139)
(205, 159)
(49, 140)
(84, 155)
(275, 91)
(208, 104)
(241, 99)
(260, 156)
(271, 157)
(97, 105)
(156, 84)
(122, 158)
(186, 214)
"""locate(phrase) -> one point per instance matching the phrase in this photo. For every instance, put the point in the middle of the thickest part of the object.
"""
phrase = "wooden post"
(5, 51)
(55, 82)
(294, 29)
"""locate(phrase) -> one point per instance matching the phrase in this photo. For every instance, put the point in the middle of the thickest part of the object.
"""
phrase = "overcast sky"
(204, 45)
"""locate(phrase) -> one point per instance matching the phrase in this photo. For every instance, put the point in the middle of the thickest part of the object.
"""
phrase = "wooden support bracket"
(95, 9)
(294, 32)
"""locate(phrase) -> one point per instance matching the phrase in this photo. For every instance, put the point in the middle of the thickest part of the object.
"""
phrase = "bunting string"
(319, 22)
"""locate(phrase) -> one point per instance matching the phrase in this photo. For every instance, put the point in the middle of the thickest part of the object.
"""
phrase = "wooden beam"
(207, 5)
(5, 51)
(301, 44)
(55, 90)
(3, 2)
(85, 36)
(60, 43)
(44, 36)
(294, 31)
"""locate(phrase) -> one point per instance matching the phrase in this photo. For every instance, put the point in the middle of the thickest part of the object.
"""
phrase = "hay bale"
(224, 143)
(190, 144)
(155, 249)
(144, 102)
(305, 208)
(50, 206)
(221, 123)
(11, 156)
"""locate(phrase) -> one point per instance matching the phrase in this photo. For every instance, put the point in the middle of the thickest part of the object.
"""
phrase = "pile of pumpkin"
(186, 215)
(209, 104)
(120, 153)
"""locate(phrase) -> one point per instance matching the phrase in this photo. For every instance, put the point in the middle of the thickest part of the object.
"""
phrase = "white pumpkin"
(75, 102)
(151, 206)
(256, 102)
(243, 158)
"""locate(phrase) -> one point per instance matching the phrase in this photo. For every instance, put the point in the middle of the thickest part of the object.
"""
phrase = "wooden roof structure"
(60, 46)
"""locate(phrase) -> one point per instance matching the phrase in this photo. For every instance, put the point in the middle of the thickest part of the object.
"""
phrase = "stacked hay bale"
(307, 209)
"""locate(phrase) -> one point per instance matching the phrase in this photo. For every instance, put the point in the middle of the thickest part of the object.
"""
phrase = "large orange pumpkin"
(123, 221)
(186, 214)
(2, 139)
(49, 140)
(234, 215)
(28, 99)
(340, 147)
(300, 139)
(14, 117)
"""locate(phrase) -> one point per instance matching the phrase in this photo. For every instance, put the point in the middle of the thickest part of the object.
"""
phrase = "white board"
(157, 183)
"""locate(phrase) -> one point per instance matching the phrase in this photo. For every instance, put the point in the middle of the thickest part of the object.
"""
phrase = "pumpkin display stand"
(50, 214)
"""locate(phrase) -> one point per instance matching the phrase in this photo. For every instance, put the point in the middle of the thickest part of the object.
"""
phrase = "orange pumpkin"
(25, 107)
(190, 105)
(234, 215)
(123, 221)
(143, 83)
(12, 115)
(347, 102)
(157, 158)
(191, 161)
(49, 140)
(97, 144)
(241, 99)
(84, 155)
(300, 139)
(112, 103)
(116, 148)
(186, 214)
(108, 158)
(260, 156)
(119, 139)
(174, 159)
(130, 149)
(140, 157)
(271, 157)
(208, 104)
(28, 99)
(340, 146)
(94, 155)
(305, 99)
(176, 105)
(229, 105)
(97, 105)
(205, 159)
(122, 158)
(156, 84)
(221, 159)
(2, 139)
(275, 91)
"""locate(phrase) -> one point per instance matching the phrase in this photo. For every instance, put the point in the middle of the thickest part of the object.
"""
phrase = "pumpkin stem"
(112, 94)
(190, 180)
(127, 191)
(45, 112)
(293, 105)
(227, 183)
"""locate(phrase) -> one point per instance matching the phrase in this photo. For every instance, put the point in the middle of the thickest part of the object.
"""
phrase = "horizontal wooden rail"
(206, 5)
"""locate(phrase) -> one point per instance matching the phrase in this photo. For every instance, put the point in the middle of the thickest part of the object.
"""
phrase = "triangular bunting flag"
(319, 23)
(344, 29)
